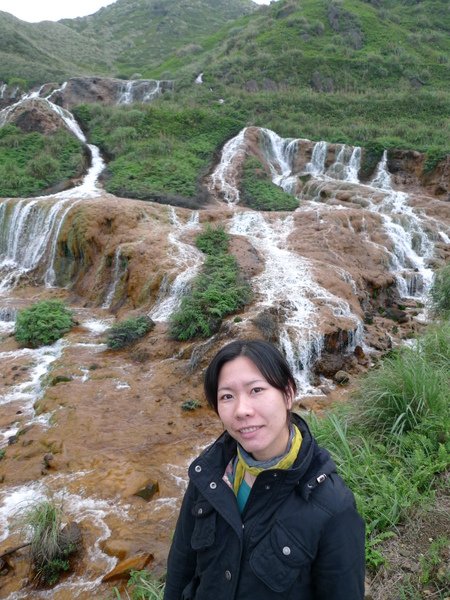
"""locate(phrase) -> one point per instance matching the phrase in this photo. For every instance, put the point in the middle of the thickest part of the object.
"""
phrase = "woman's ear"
(289, 396)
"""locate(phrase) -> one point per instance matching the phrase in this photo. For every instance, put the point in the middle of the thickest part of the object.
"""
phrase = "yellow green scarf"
(285, 462)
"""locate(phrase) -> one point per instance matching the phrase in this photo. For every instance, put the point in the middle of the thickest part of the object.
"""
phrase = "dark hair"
(266, 358)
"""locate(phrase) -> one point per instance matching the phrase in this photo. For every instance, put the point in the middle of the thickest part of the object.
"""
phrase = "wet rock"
(70, 537)
(48, 460)
(61, 379)
(341, 377)
(35, 115)
(329, 364)
(400, 316)
(124, 568)
(147, 492)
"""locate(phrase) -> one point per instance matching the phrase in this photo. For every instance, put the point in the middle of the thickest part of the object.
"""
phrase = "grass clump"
(128, 331)
(258, 191)
(402, 394)
(43, 323)
(190, 405)
(218, 291)
(142, 585)
(440, 292)
(49, 548)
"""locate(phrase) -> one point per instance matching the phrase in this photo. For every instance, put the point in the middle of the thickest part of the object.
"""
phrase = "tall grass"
(392, 440)
(440, 292)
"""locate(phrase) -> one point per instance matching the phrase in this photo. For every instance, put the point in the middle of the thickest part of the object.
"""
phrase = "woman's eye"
(257, 389)
(225, 397)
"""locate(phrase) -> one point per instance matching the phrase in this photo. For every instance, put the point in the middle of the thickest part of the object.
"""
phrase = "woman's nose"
(244, 406)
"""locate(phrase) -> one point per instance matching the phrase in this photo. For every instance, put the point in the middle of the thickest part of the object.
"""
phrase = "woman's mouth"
(247, 430)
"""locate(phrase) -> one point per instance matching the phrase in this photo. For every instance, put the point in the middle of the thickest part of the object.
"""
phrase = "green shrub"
(217, 291)
(440, 292)
(128, 331)
(259, 192)
(190, 405)
(43, 323)
(49, 548)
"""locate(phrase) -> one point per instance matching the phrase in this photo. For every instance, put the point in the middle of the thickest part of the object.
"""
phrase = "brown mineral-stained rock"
(124, 568)
(35, 115)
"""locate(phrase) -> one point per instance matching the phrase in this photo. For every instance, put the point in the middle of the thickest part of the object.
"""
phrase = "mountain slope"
(120, 38)
(331, 46)
(142, 33)
(40, 52)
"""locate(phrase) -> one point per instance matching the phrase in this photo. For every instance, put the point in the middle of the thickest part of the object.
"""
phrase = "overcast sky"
(51, 10)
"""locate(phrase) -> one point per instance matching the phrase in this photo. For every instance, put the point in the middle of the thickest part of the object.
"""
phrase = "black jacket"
(299, 536)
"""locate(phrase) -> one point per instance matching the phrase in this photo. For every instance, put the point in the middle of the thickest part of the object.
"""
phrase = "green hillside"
(117, 40)
(142, 33)
(370, 73)
(47, 51)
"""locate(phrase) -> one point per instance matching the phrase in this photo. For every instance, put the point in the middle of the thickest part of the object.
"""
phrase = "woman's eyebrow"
(229, 386)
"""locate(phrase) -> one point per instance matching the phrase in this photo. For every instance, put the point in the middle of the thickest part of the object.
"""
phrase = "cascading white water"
(280, 154)
(412, 246)
(29, 229)
(188, 260)
(117, 272)
(287, 282)
(224, 179)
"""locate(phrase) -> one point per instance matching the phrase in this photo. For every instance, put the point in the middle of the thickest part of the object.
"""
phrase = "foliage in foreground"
(43, 323)
(440, 292)
(218, 291)
(392, 442)
(49, 551)
(128, 331)
(143, 586)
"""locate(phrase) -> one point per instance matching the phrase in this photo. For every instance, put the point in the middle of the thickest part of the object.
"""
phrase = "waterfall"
(117, 272)
(412, 246)
(382, 178)
(188, 260)
(280, 153)
(287, 282)
(142, 90)
(224, 179)
(30, 228)
(318, 157)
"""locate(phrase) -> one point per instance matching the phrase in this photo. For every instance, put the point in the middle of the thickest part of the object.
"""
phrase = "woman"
(265, 515)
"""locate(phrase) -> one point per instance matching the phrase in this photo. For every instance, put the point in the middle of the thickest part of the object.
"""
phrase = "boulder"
(341, 378)
(148, 491)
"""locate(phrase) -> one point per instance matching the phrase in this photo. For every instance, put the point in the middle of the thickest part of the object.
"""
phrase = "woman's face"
(252, 411)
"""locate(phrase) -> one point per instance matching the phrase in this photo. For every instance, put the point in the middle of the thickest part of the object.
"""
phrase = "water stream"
(188, 260)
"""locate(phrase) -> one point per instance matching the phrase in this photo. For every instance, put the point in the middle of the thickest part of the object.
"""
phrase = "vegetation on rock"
(128, 331)
(32, 162)
(218, 291)
(43, 323)
(50, 550)
(258, 191)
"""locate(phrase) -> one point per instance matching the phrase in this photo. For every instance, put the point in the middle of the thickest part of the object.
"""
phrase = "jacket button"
(286, 550)
(228, 575)
(200, 511)
(197, 468)
(267, 487)
(213, 485)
